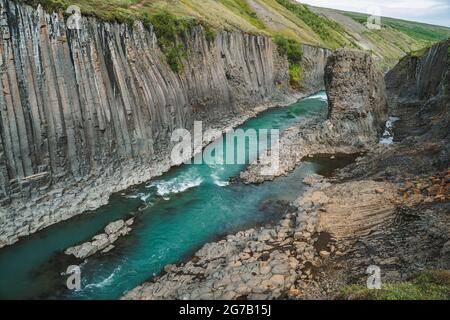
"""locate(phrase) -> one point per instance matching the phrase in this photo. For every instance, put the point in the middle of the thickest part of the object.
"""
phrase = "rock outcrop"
(356, 117)
(356, 93)
(85, 113)
(103, 242)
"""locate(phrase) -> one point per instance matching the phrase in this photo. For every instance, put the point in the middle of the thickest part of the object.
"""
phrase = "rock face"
(418, 90)
(356, 91)
(421, 76)
(80, 109)
(357, 113)
(313, 65)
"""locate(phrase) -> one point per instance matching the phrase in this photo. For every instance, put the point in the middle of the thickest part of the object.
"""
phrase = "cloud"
(429, 11)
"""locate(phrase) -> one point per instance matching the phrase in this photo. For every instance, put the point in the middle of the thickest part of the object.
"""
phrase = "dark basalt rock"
(355, 90)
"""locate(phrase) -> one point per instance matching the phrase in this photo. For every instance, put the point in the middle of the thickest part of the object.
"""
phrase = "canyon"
(83, 108)
(86, 116)
(390, 208)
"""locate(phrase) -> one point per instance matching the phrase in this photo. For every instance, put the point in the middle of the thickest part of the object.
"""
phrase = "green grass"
(415, 30)
(293, 51)
(242, 8)
(295, 75)
(326, 29)
(268, 17)
(168, 28)
(427, 285)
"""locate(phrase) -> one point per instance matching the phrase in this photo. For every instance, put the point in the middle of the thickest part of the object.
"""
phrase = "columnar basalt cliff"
(419, 76)
(88, 112)
(313, 66)
(365, 111)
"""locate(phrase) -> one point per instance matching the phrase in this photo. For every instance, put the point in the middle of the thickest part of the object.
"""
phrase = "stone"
(282, 268)
(265, 268)
(114, 227)
(244, 256)
(324, 254)
(170, 268)
(108, 248)
(277, 280)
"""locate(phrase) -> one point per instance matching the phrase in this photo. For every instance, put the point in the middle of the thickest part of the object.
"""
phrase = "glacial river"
(175, 215)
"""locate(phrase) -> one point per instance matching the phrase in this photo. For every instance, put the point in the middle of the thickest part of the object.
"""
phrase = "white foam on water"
(140, 195)
(175, 185)
(388, 138)
(104, 282)
(219, 182)
(320, 95)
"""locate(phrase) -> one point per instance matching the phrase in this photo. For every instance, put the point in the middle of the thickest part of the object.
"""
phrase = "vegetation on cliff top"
(286, 17)
(292, 50)
(427, 285)
(167, 29)
(276, 18)
(415, 30)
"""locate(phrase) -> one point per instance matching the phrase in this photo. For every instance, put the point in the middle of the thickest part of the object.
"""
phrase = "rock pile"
(103, 242)
(427, 189)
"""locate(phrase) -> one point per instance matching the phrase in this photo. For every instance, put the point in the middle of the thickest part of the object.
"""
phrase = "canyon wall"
(421, 76)
(88, 112)
(314, 60)
(418, 91)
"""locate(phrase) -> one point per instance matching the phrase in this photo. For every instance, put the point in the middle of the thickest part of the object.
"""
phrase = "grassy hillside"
(277, 18)
(415, 30)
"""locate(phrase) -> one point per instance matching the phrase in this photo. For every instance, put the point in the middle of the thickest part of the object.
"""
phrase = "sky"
(428, 11)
